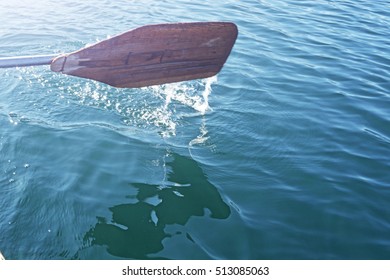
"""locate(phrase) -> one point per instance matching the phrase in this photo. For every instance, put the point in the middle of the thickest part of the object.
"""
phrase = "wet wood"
(153, 54)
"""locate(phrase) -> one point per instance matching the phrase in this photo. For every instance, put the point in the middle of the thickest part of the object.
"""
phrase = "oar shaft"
(22, 61)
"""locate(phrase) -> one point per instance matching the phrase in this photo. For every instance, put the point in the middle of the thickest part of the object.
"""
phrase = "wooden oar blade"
(153, 54)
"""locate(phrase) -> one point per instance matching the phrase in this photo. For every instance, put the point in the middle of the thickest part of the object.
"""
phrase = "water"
(284, 155)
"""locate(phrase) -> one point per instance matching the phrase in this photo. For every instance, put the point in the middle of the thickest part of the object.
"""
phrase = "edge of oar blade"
(154, 54)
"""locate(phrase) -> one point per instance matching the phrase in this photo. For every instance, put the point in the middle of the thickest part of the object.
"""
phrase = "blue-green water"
(285, 155)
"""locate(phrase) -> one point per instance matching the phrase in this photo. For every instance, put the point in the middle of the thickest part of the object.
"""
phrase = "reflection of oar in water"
(149, 55)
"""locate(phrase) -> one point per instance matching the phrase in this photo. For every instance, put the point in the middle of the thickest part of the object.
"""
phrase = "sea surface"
(285, 154)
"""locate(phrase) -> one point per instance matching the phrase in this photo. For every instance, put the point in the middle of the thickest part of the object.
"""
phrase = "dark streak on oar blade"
(154, 54)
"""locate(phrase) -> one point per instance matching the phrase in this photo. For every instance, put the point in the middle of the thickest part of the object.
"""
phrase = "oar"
(148, 55)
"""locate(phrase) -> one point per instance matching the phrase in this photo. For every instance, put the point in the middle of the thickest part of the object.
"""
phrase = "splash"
(181, 100)
(160, 107)
(188, 94)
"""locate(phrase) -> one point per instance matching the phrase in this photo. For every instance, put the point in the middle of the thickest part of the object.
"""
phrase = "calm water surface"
(284, 155)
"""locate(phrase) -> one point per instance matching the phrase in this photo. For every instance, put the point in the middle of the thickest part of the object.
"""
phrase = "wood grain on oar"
(153, 54)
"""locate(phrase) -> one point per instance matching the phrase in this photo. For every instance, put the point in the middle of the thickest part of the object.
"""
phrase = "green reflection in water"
(137, 229)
